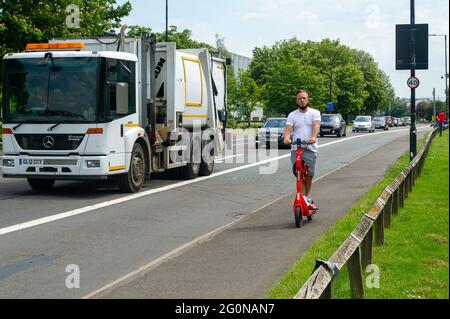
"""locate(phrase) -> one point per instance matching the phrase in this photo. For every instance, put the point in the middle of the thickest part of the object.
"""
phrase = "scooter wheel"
(298, 217)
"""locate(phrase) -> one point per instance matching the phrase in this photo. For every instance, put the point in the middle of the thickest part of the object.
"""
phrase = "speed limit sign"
(413, 82)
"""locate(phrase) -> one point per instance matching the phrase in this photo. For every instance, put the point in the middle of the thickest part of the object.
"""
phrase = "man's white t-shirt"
(302, 124)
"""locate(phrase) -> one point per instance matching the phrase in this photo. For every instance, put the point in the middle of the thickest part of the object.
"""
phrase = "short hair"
(302, 91)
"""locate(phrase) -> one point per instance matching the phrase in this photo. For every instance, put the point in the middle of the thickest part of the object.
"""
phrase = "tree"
(183, 39)
(26, 21)
(247, 95)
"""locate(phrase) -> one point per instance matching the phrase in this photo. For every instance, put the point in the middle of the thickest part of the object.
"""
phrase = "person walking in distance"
(441, 120)
(304, 124)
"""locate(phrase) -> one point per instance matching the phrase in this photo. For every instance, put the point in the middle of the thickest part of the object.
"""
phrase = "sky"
(367, 25)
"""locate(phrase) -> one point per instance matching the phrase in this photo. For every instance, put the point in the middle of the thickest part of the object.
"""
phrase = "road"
(108, 235)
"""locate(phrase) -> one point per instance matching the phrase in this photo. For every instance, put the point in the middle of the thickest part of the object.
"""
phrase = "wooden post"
(355, 274)
(406, 183)
(395, 199)
(388, 213)
(366, 249)
(379, 229)
(412, 179)
(402, 192)
(327, 292)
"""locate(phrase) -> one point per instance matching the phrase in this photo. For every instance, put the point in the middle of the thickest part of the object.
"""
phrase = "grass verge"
(414, 261)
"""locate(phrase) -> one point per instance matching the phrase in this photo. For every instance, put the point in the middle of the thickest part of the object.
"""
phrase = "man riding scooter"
(304, 124)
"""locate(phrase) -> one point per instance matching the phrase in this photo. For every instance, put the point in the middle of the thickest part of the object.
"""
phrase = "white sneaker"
(308, 200)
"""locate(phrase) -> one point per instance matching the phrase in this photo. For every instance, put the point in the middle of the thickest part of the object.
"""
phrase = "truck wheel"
(206, 168)
(132, 181)
(191, 170)
(40, 184)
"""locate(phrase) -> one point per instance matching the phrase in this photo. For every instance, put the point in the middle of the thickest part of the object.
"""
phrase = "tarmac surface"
(247, 258)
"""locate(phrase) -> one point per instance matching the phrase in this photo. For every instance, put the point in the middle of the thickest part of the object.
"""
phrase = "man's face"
(302, 100)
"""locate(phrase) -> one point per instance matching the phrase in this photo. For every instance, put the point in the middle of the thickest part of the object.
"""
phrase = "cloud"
(252, 16)
(308, 17)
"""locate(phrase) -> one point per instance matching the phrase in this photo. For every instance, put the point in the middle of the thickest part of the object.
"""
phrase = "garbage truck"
(111, 107)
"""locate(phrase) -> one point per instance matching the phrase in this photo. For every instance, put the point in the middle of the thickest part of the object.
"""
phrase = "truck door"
(120, 107)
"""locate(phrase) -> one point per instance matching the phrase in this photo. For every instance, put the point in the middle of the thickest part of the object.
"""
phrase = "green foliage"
(27, 21)
(183, 39)
(245, 96)
(398, 107)
(328, 69)
(231, 122)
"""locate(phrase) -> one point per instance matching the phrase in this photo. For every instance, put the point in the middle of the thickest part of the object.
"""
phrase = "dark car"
(333, 124)
(271, 132)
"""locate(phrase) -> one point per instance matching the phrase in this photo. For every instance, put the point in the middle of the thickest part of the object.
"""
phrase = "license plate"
(31, 162)
(325, 130)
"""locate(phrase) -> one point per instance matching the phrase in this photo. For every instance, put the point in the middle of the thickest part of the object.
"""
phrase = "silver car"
(271, 133)
(363, 123)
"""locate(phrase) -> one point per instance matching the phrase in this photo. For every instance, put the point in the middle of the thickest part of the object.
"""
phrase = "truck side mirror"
(222, 116)
(121, 98)
(228, 61)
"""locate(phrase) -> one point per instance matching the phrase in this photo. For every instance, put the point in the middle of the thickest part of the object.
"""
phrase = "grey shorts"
(310, 159)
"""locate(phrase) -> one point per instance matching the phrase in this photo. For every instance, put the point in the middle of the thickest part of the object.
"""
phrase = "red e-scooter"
(301, 207)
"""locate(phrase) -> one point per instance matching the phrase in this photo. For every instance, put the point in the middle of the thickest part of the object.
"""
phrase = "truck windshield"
(62, 90)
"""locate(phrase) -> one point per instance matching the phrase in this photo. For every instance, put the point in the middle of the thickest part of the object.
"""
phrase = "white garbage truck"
(112, 107)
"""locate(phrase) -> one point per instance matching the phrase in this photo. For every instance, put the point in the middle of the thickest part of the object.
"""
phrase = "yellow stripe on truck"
(195, 116)
(131, 125)
(116, 168)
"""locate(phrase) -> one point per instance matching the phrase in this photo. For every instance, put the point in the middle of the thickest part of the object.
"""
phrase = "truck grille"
(54, 142)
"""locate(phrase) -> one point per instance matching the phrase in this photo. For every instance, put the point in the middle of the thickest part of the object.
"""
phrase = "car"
(380, 123)
(333, 124)
(363, 123)
(407, 120)
(401, 121)
(389, 121)
(271, 132)
(395, 121)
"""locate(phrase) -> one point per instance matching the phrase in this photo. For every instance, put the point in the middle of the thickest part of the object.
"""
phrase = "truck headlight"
(93, 163)
(8, 162)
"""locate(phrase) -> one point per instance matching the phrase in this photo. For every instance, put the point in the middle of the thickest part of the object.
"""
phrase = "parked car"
(389, 121)
(407, 120)
(271, 132)
(395, 121)
(380, 123)
(401, 121)
(363, 123)
(333, 124)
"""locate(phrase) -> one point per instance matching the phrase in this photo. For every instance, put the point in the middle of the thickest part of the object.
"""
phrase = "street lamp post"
(446, 72)
(167, 20)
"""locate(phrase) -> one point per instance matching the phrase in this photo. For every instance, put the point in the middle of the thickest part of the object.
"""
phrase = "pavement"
(247, 258)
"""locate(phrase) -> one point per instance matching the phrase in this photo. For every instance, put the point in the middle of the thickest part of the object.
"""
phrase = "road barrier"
(356, 250)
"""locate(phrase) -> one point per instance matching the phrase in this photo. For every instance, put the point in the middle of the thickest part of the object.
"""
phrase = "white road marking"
(86, 209)
(221, 159)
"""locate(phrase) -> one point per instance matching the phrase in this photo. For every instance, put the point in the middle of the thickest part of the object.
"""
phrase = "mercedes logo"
(48, 142)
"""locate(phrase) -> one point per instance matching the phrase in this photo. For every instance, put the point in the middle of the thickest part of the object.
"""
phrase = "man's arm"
(287, 134)
(315, 132)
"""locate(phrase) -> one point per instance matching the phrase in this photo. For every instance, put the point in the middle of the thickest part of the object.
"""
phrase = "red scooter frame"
(301, 207)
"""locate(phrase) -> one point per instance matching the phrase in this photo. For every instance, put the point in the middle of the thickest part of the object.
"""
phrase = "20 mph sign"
(413, 82)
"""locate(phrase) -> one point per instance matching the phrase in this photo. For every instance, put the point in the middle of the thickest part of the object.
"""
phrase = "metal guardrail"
(356, 250)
